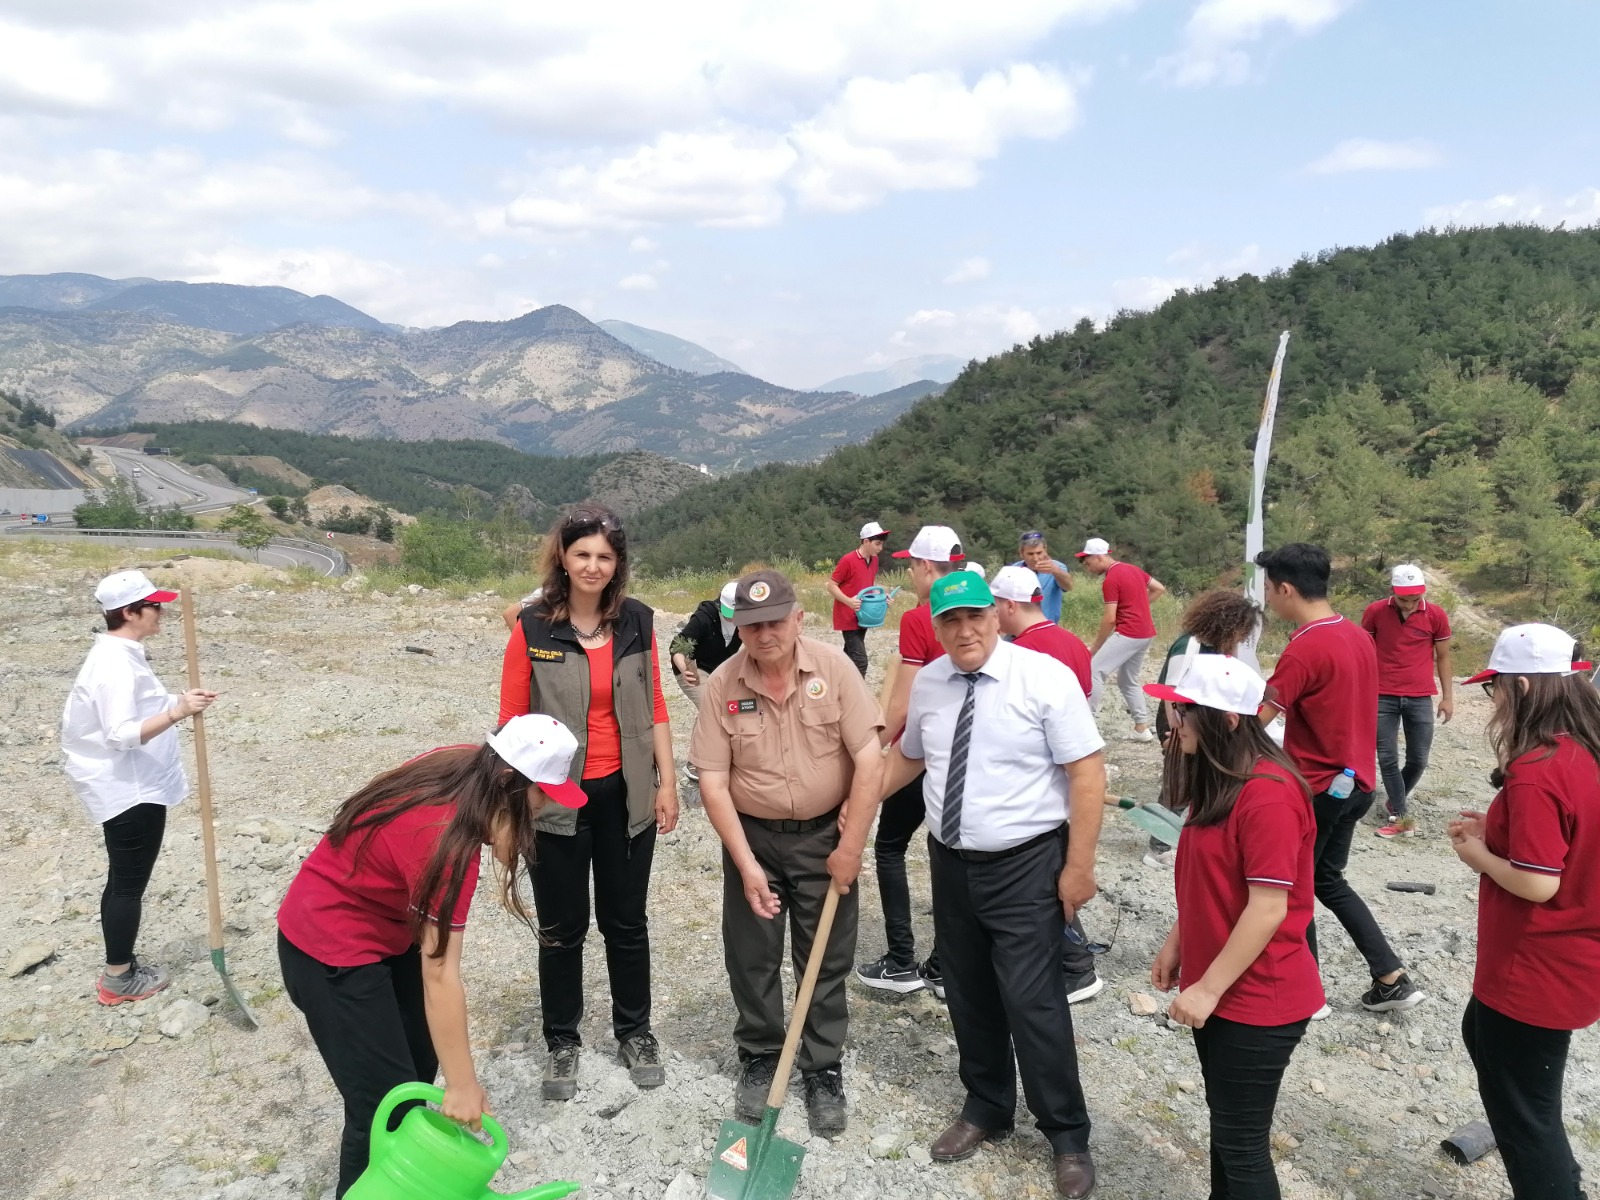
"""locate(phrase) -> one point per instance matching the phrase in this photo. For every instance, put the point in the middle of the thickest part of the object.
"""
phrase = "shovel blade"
(220, 962)
(1163, 830)
(751, 1162)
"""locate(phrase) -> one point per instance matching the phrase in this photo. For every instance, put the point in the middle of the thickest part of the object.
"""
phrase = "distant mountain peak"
(938, 368)
(669, 350)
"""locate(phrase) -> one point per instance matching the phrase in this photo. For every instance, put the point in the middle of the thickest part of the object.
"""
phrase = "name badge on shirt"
(741, 706)
(543, 655)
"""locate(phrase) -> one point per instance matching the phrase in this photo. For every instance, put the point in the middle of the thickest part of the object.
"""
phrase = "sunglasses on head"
(581, 520)
(1033, 535)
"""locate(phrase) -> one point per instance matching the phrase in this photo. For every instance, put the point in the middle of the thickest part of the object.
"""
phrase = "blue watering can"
(874, 606)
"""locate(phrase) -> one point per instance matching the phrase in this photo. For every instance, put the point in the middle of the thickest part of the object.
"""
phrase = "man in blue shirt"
(1054, 578)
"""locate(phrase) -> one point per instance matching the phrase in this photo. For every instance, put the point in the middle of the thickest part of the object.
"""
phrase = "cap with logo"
(541, 748)
(129, 587)
(873, 530)
(725, 599)
(1094, 546)
(934, 543)
(1532, 650)
(959, 589)
(1215, 681)
(762, 596)
(1016, 583)
(1407, 580)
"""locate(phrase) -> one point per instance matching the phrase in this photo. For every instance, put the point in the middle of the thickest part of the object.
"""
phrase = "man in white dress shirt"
(1008, 744)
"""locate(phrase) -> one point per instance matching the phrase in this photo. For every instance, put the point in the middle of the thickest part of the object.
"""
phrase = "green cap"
(959, 589)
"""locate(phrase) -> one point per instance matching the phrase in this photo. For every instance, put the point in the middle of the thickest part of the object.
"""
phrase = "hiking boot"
(889, 976)
(138, 982)
(932, 978)
(1393, 997)
(1397, 827)
(561, 1071)
(641, 1054)
(825, 1107)
(1084, 987)
(755, 1081)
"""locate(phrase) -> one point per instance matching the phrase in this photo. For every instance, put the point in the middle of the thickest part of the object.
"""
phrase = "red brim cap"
(566, 793)
(161, 597)
(901, 554)
(1081, 554)
(1417, 590)
(1480, 677)
(1165, 691)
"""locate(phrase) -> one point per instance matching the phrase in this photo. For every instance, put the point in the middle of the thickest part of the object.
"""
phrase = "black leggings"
(371, 1027)
(133, 840)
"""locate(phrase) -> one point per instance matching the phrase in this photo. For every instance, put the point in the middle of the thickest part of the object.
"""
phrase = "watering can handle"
(431, 1095)
(397, 1096)
(546, 1191)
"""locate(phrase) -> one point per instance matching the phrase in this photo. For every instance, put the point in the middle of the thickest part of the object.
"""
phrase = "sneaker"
(691, 773)
(1393, 997)
(889, 976)
(755, 1081)
(1141, 736)
(1161, 860)
(932, 978)
(641, 1054)
(1083, 987)
(561, 1071)
(1323, 1013)
(825, 1106)
(138, 982)
(1398, 827)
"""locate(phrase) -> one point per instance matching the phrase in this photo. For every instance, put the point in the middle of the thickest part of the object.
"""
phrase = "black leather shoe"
(962, 1140)
(1074, 1176)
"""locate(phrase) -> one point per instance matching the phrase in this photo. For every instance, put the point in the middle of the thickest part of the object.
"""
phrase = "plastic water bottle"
(1343, 784)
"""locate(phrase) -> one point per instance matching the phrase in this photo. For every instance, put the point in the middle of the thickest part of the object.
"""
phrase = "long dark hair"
(1208, 782)
(581, 522)
(483, 787)
(1551, 706)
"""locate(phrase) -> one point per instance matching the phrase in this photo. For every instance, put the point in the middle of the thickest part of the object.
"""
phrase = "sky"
(808, 189)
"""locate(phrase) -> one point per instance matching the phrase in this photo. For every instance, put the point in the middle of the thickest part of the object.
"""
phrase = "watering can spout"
(547, 1191)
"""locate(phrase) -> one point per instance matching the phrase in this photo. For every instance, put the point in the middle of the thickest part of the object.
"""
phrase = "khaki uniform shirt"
(790, 761)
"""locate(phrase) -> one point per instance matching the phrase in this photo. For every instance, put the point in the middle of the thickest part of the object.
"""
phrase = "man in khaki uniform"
(787, 751)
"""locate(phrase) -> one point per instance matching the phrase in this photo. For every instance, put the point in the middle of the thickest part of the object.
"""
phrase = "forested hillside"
(1441, 400)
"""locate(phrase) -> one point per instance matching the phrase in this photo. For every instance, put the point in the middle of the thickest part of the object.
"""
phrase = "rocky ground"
(320, 693)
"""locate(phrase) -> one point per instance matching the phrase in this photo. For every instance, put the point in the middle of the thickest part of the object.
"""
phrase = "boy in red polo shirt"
(1538, 901)
(1126, 631)
(1413, 639)
(1326, 686)
(855, 572)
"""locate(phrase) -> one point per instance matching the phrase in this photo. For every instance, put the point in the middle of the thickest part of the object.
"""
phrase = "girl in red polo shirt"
(1538, 922)
(365, 934)
(1248, 981)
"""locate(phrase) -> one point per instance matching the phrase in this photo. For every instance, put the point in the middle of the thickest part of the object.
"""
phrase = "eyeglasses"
(1488, 687)
(1180, 712)
(141, 605)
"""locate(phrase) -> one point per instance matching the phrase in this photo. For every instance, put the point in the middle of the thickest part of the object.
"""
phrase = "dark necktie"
(955, 783)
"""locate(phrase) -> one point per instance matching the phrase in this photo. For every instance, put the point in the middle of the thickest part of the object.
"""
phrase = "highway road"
(280, 552)
(162, 481)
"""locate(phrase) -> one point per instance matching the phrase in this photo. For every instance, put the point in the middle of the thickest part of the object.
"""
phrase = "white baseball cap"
(1016, 583)
(1531, 650)
(725, 599)
(1407, 580)
(934, 543)
(975, 567)
(126, 587)
(873, 530)
(541, 748)
(1094, 546)
(1215, 681)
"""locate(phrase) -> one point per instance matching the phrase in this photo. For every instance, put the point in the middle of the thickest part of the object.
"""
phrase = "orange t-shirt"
(604, 754)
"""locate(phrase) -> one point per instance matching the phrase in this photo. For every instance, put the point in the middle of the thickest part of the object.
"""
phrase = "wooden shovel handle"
(802, 998)
(208, 833)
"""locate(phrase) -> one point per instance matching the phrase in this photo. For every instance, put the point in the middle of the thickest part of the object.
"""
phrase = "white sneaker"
(1145, 736)
(1322, 1014)
(1164, 861)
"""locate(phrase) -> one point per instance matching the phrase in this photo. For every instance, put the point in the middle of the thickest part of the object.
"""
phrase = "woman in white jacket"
(123, 760)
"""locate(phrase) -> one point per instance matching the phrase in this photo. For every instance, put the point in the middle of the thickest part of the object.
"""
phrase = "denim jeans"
(1415, 715)
(1336, 826)
(1243, 1067)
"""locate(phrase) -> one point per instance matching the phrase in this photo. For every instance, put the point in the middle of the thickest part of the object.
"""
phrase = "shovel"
(1160, 823)
(208, 834)
(751, 1162)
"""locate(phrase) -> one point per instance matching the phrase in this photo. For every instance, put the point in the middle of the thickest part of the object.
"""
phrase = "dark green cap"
(959, 589)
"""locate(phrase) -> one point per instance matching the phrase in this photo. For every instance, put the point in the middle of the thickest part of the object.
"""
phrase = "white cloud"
(969, 270)
(1218, 30)
(978, 331)
(642, 282)
(1367, 154)
(642, 245)
(1143, 292)
(1534, 207)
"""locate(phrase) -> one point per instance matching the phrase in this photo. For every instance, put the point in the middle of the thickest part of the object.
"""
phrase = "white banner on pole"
(1255, 583)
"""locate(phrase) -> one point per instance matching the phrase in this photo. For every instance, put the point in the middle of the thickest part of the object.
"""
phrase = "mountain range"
(674, 351)
(104, 353)
(935, 368)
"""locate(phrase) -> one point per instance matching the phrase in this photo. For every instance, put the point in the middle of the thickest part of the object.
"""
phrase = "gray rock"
(25, 958)
(183, 1017)
(684, 1186)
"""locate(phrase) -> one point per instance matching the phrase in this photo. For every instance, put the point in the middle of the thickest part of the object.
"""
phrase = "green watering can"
(430, 1157)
